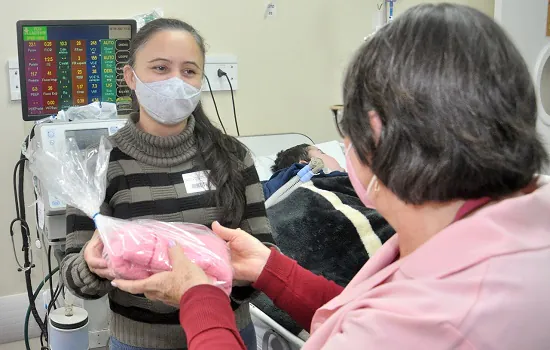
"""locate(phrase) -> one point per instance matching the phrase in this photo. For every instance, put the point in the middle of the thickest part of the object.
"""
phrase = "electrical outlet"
(271, 9)
(227, 63)
(98, 339)
(13, 73)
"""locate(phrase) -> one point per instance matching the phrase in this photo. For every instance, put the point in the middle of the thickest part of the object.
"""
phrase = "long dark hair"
(222, 154)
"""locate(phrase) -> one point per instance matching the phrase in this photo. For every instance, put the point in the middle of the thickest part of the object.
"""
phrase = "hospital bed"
(264, 149)
(271, 335)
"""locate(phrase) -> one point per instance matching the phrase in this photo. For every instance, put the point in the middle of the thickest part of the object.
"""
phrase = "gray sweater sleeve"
(74, 270)
(255, 222)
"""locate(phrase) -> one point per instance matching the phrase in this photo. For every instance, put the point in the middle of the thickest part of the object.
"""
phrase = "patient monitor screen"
(87, 137)
(74, 65)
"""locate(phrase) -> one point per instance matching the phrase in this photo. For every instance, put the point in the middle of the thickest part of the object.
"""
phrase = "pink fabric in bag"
(136, 251)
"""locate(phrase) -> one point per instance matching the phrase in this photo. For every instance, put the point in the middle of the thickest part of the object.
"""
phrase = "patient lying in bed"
(290, 161)
(325, 227)
(302, 154)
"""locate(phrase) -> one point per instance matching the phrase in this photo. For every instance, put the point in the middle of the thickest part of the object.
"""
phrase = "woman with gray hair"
(440, 124)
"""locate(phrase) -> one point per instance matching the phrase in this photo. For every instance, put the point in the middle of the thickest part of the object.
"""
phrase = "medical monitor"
(73, 63)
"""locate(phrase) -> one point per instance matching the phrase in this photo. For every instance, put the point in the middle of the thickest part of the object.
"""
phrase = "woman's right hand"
(93, 255)
(248, 255)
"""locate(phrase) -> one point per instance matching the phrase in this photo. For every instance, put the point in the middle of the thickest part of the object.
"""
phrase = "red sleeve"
(208, 321)
(294, 289)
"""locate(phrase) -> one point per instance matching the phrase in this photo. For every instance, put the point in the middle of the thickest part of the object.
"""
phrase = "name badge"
(197, 182)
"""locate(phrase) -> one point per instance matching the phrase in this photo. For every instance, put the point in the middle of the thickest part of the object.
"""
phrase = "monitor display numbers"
(86, 137)
(75, 65)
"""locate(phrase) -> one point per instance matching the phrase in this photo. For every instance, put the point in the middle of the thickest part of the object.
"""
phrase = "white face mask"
(168, 101)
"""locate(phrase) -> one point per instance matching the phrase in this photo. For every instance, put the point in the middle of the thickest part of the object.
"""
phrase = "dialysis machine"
(65, 64)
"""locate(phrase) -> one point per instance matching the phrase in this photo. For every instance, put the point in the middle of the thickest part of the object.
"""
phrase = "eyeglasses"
(338, 111)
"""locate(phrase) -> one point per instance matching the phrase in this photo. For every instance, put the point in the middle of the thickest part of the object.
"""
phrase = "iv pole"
(385, 14)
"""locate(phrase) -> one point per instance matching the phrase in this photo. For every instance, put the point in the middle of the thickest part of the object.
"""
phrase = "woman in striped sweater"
(158, 168)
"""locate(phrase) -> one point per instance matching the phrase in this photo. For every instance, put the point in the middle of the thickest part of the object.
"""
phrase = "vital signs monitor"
(73, 63)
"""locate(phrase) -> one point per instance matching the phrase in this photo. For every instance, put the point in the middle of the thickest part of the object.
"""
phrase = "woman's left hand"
(170, 286)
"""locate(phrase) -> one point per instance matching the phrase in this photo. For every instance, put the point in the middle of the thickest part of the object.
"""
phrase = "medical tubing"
(287, 186)
(32, 305)
(19, 197)
(292, 181)
(25, 234)
(52, 293)
(304, 171)
(316, 165)
(27, 248)
(58, 290)
(59, 255)
(275, 196)
(28, 314)
(307, 176)
(289, 191)
(307, 172)
(316, 168)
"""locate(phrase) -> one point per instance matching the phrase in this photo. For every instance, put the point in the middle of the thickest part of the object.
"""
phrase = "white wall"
(545, 88)
(486, 6)
(354, 20)
(290, 69)
(525, 22)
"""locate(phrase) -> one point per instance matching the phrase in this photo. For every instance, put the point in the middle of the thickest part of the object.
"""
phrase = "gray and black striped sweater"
(146, 181)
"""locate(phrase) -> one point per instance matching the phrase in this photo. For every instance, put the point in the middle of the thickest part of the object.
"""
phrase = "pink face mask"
(362, 193)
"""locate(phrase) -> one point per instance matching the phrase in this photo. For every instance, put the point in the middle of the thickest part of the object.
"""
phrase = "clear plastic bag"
(133, 249)
(94, 110)
(138, 249)
(144, 18)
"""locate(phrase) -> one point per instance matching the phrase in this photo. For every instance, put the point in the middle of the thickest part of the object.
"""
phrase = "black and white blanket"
(324, 227)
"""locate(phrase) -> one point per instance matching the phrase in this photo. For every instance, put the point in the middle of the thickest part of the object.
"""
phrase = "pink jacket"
(481, 283)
